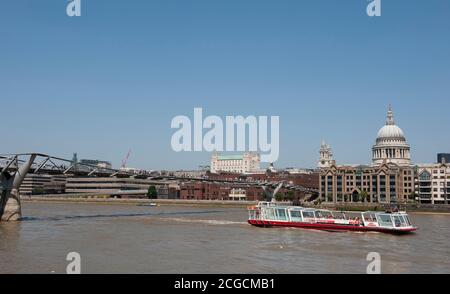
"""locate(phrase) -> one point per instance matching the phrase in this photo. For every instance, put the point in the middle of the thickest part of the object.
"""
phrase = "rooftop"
(230, 157)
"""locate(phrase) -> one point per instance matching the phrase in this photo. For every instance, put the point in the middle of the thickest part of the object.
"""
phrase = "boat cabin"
(274, 212)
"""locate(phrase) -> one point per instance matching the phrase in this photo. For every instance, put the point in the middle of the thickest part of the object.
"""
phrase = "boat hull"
(331, 227)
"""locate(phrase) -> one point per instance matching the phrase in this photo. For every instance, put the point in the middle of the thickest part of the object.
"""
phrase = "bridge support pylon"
(271, 195)
(10, 206)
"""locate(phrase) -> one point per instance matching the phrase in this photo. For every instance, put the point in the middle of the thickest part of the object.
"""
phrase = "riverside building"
(43, 184)
(120, 187)
(433, 183)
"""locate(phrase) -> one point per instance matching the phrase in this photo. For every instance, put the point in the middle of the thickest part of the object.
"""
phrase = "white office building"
(433, 183)
(246, 163)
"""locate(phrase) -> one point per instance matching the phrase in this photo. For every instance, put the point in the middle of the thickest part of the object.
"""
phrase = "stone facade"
(245, 163)
(387, 183)
(326, 156)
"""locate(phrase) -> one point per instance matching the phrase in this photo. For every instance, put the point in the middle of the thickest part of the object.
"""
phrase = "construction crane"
(125, 160)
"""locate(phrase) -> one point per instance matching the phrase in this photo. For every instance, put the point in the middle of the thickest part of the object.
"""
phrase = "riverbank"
(161, 202)
(75, 198)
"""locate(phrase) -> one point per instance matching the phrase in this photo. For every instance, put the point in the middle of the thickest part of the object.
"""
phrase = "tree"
(364, 196)
(279, 197)
(38, 191)
(290, 196)
(152, 193)
(319, 201)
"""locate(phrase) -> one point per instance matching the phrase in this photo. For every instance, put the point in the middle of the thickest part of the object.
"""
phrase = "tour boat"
(272, 214)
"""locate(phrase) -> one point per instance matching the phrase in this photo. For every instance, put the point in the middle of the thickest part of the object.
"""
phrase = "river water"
(114, 238)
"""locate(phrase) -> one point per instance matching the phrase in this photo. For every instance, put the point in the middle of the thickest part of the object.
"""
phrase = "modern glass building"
(443, 158)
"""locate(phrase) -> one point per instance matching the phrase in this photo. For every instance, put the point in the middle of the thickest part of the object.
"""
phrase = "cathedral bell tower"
(326, 156)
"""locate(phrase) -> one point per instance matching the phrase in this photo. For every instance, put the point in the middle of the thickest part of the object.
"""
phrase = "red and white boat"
(272, 214)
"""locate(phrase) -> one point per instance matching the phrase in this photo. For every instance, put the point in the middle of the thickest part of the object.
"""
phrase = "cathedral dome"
(390, 133)
(391, 145)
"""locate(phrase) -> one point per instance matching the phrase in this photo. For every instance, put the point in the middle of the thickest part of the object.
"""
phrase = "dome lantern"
(390, 117)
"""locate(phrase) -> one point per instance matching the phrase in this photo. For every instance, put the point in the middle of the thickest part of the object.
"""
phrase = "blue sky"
(114, 78)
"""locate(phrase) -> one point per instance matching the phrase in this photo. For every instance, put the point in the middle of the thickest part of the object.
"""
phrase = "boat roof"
(309, 209)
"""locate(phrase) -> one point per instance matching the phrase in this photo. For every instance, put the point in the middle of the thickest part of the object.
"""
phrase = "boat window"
(352, 215)
(308, 214)
(385, 220)
(397, 221)
(323, 214)
(369, 217)
(406, 218)
(296, 215)
(270, 213)
(327, 214)
(338, 215)
(281, 214)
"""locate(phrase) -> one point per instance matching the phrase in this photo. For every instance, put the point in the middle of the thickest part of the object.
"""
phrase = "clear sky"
(114, 78)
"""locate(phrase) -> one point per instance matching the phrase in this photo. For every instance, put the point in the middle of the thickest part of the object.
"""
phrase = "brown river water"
(126, 238)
